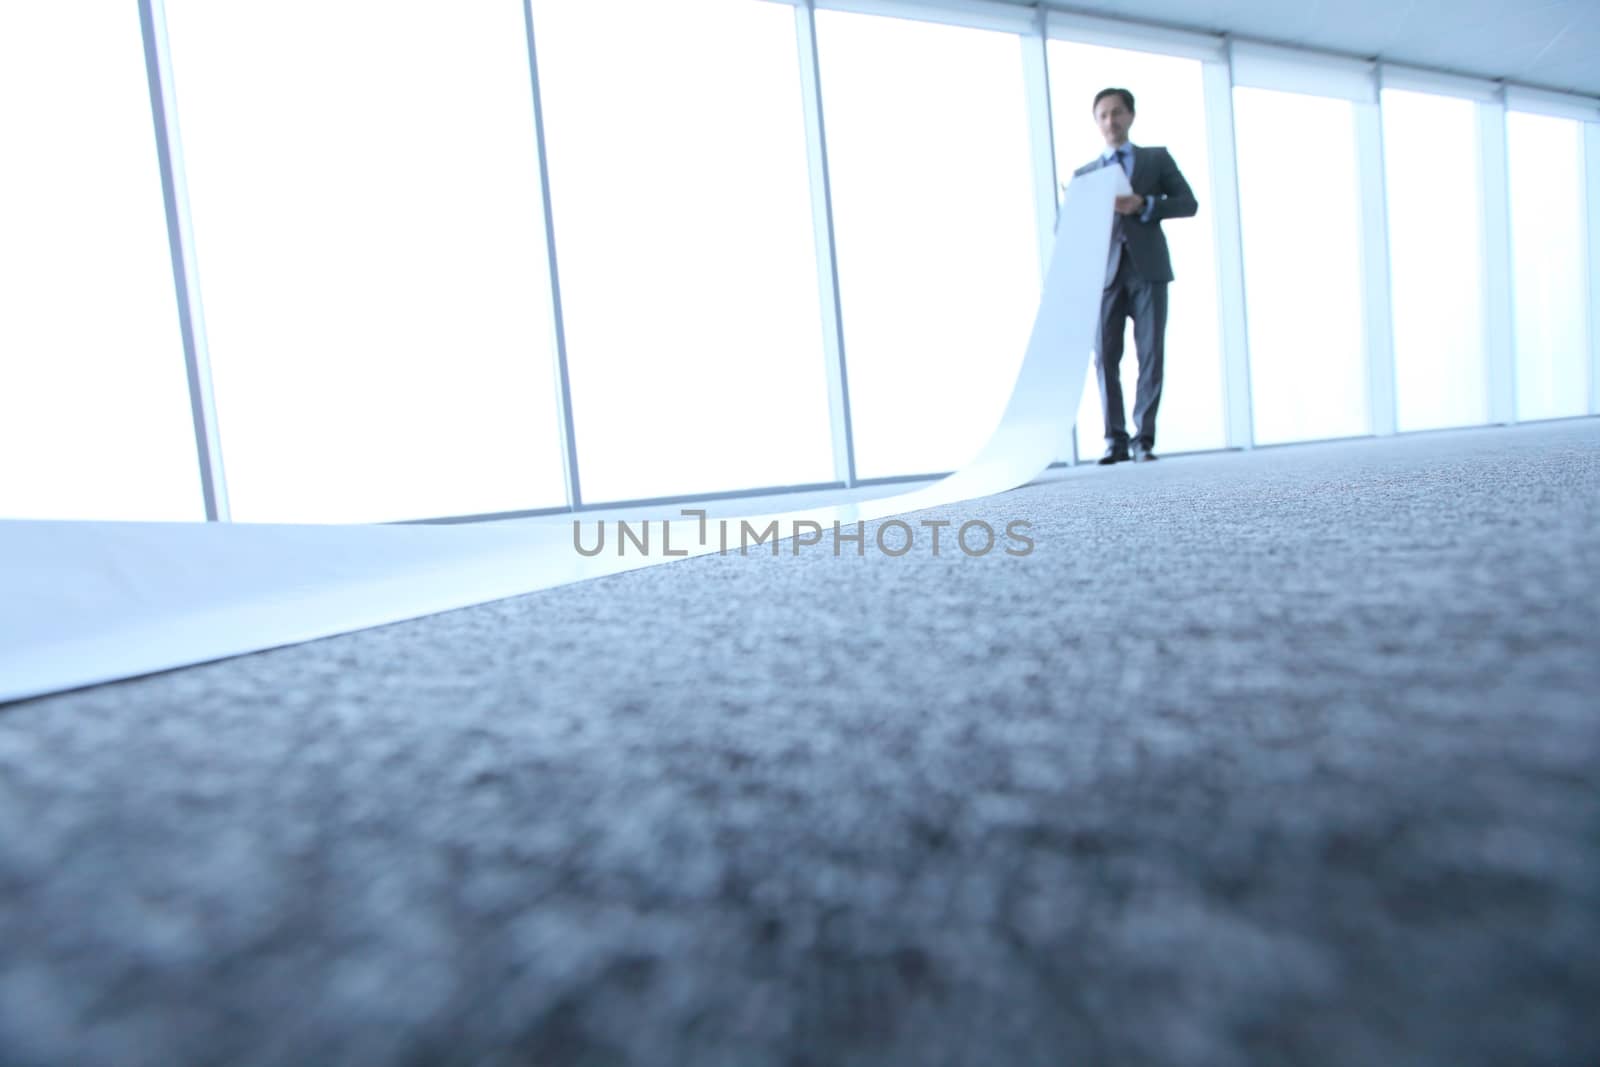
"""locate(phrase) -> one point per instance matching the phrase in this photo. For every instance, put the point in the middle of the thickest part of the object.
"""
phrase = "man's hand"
(1130, 205)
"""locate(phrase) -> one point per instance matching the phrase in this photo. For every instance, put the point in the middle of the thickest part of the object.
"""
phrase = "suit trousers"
(1129, 295)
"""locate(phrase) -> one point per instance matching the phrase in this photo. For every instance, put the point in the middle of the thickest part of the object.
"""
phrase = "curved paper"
(89, 602)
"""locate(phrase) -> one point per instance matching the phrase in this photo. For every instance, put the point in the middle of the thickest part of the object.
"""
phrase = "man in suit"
(1138, 269)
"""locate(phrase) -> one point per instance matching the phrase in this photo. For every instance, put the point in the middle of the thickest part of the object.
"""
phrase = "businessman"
(1138, 269)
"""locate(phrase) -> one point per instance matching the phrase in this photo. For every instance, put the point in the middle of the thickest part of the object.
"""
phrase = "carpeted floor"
(1286, 757)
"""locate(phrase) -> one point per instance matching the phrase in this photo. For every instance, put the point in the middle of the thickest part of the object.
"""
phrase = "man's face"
(1114, 119)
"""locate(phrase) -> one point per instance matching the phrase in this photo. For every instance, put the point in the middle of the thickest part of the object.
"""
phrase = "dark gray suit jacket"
(1154, 174)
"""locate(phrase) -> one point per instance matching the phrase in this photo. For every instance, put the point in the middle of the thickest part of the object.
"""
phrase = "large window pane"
(1299, 203)
(94, 408)
(1170, 98)
(937, 246)
(365, 194)
(682, 207)
(1547, 263)
(1435, 259)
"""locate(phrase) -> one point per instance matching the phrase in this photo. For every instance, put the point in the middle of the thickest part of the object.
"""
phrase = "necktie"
(1119, 233)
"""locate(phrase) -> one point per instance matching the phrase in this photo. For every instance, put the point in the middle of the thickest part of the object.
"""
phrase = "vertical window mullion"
(1499, 309)
(1230, 254)
(563, 382)
(1036, 76)
(844, 455)
(1591, 158)
(180, 240)
(1378, 314)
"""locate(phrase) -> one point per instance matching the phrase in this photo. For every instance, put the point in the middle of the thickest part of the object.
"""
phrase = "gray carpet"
(1285, 757)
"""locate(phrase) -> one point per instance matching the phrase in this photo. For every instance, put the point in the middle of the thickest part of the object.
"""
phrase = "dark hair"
(1127, 99)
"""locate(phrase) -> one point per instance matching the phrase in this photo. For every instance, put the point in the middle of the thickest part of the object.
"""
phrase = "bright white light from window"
(1547, 259)
(1435, 259)
(937, 241)
(94, 405)
(1169, 95)
(682, 205)
(1300, 205)
(365, 191)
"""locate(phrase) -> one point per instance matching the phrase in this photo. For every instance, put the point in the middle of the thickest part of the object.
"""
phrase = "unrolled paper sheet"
(89, 602)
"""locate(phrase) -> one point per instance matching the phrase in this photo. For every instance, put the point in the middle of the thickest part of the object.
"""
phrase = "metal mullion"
(569, 442)
(1377, 309)
(830, 302)
(1591, 166)
(1046, 205)
(1226, 227)
(1036, 83)
(180, 244)
(1499, 308)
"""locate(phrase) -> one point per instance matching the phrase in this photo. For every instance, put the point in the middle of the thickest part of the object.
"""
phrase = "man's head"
(1113, 113)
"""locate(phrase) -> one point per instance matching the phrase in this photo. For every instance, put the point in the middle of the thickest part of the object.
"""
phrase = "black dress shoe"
(1140, 453)
(1114, 454)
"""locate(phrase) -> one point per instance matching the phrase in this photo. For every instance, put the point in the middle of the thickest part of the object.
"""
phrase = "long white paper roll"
(89, 602)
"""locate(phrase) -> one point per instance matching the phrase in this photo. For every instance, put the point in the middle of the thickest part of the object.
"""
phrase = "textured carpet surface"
(1279, 757)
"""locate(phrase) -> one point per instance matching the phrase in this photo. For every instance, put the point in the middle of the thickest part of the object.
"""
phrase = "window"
(365, 192)
(1548, 278)
(1301, 222)
(682, 205)
(1435, 259)
(94, 401)
(936, 237)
